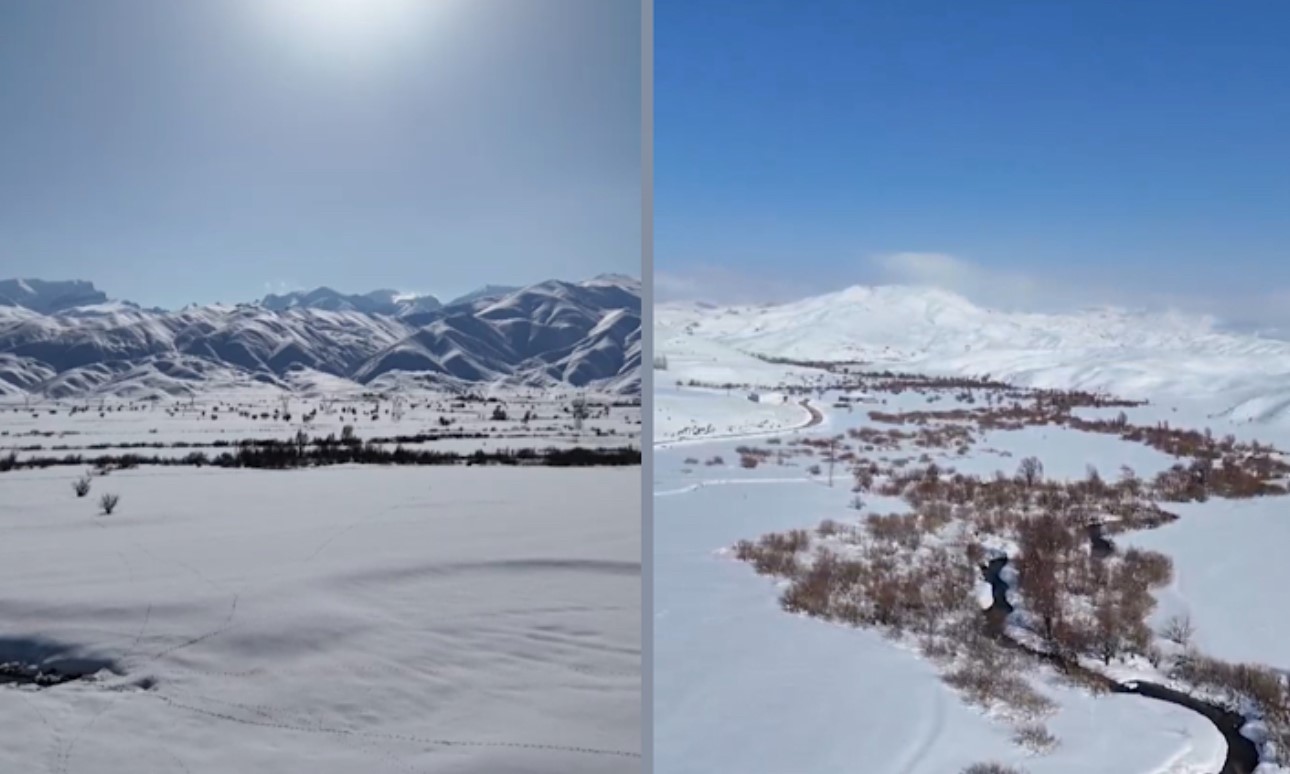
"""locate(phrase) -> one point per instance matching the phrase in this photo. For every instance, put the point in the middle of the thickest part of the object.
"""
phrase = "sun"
(348, 30)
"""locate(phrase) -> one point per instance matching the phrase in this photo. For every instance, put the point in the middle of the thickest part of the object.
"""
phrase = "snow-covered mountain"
(553, 333)
(487, 291)
(1140, 354)
(48, 297)
(386, 302)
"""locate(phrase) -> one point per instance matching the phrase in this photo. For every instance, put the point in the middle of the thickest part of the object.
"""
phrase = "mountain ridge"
(584, 335)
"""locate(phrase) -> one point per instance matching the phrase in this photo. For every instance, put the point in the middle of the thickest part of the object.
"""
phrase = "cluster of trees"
(1083, 603)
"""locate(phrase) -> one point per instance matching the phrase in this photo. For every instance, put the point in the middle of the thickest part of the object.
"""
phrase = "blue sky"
(1025, 152)
(205, 150)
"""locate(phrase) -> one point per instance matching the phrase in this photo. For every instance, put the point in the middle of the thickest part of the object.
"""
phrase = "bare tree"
(580, 412)
(1178, 629)
(1045, 547)
(108, 503)
(1030, 471)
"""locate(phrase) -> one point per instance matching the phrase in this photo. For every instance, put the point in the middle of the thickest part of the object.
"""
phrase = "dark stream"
(45, 663)
(1242, 755)
(23, 674)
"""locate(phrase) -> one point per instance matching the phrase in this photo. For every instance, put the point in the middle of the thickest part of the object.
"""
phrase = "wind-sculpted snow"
(554, 333)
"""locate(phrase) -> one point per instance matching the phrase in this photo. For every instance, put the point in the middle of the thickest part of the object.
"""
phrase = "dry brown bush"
(828, 527)
(900, 529)
(992, 768)
(1034, 737)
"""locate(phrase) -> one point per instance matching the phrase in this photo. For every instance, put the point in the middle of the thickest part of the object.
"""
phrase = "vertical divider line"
(647, 386)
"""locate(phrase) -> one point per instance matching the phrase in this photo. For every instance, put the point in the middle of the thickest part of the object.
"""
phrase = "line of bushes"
(281, 456)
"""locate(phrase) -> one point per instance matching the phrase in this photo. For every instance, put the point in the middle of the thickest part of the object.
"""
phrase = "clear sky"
(1025, 152)
(202, 150)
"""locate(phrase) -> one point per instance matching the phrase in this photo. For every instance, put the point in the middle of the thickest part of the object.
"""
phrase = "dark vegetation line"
(315, 441)
(283, 455)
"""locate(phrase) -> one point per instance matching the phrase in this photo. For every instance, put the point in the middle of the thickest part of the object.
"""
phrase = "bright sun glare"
(348, 29)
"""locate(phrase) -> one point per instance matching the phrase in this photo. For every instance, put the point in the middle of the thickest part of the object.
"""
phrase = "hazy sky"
(205, 150)
(1025, 152)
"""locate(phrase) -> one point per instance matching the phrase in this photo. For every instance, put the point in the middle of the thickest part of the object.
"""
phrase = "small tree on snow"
(81, 486)
(108, 503)
(580, 412)
(1178, 629)
(1030, 471)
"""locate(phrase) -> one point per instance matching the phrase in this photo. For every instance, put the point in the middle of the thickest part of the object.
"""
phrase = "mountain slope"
(1129, 353)
(553, 333)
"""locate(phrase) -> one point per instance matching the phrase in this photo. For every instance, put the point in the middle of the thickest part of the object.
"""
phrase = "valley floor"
(741, 685)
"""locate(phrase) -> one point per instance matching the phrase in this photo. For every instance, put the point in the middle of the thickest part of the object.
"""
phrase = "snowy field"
(1230, 567)
(695, 414)
(353, 618)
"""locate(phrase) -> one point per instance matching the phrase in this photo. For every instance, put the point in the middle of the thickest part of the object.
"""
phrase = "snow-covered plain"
(49, 427)
(746, 686)
(353, 618)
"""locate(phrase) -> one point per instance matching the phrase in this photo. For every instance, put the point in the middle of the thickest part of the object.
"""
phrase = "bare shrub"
(775, 553)
(900, 529)
(1148, 568)
(1035, 737)
(108, 503)
(81, 486)
(992, 768)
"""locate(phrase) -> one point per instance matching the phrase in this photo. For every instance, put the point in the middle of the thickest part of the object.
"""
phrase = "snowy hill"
(554, 333)
(920, 329)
